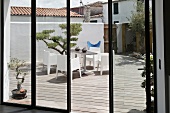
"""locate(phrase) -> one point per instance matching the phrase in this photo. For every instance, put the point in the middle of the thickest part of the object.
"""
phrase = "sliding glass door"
(76, 56)
(17, 52)
(90, 88)
(51, 54)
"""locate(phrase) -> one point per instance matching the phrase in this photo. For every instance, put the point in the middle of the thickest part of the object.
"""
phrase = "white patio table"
(84, 56)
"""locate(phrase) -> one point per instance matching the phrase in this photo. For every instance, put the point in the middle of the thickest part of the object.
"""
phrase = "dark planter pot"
(18, 95)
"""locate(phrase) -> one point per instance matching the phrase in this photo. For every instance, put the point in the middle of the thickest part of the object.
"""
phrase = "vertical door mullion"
(111, 107)
(2, 49)
(147, 43)
(68, 59)
(154, 54)
(33, 53)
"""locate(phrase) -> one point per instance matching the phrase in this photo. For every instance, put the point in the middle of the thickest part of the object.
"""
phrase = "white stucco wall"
(6, 53)
(21, 41)
(51, 19)
(105, 13)
(125, 10)
(160, 55)
(119, 37)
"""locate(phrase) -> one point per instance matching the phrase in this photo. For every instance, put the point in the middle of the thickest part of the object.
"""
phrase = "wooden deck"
(90, 94)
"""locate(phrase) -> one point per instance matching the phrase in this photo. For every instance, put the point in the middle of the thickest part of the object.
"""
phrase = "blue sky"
(51, 3)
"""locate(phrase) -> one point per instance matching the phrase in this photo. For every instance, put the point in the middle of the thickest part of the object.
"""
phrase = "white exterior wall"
(20, 40)
(105, 13)
(50, 19)
(119, 37)
(125, 11)
(6, 53)
(160, 55)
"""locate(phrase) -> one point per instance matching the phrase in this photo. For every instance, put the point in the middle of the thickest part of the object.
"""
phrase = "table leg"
(93, 62)
(84, 63)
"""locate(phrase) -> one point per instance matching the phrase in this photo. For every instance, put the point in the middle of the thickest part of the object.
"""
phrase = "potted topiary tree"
(59, 43)
(15, 64)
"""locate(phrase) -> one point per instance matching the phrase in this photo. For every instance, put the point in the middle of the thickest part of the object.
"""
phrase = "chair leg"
(48, 69)
(93, 62)
(90, 63)
(56, 72)
(97, 66)
(101, 70)
(80, 72)
(43, 67)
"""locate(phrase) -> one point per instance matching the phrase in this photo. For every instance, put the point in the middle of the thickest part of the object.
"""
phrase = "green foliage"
(137, 22)
(53, 42)
(75, 28)
(143, 74)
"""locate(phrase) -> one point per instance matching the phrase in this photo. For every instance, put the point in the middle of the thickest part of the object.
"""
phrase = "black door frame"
(110, 20)
(155, 56)
(147, 43)
(33, 58)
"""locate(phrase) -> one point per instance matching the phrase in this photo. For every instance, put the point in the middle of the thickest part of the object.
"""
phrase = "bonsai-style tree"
(137, 23)
(59, 43)
(15, 64)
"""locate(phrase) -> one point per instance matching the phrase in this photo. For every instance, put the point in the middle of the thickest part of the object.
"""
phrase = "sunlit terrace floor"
(90, 94)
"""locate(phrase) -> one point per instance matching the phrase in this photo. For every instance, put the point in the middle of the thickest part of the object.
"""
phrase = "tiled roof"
(43, 12)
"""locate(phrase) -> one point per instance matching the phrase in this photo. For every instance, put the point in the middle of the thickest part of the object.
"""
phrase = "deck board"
(90, 94)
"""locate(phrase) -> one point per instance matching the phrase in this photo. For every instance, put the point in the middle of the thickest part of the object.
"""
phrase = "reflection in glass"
(51, 66)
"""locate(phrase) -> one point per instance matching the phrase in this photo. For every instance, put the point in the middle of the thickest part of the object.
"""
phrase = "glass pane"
(129, 45)
(90, 88)
(17, 52)
(51, 66)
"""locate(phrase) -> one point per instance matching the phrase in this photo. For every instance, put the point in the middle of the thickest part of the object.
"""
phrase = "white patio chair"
(62, 64)
(104, 62)
(49, 59)
(93, 58)
(75, 55)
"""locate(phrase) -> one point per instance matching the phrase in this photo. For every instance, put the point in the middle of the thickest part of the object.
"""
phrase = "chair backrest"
(93, 45)
(75, 63)
(96, 50)
(62, 62)
(46, 57)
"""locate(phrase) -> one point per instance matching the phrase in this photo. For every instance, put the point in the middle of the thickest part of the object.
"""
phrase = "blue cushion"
(93, 45)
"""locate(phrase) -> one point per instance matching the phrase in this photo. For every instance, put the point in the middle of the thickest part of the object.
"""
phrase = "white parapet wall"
(119, 38)
(21, 37)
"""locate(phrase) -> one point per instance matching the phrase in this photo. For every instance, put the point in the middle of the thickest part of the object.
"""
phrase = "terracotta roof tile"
(43, 12)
